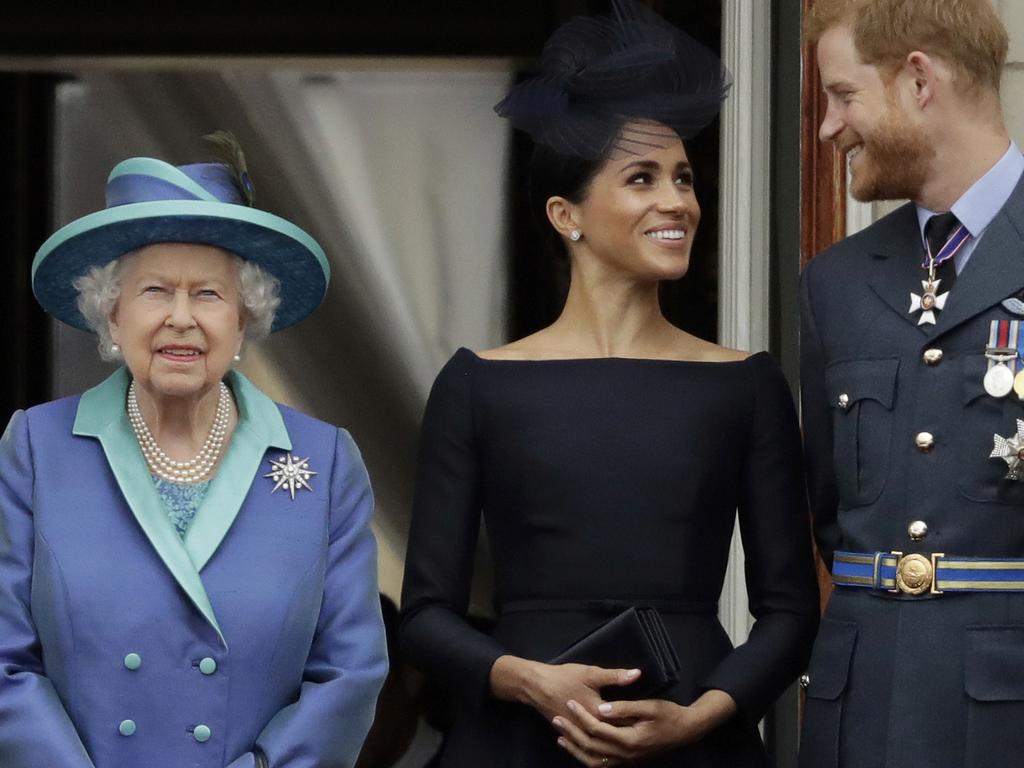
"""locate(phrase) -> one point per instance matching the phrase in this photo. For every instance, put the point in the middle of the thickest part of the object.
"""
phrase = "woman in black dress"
(609, 452)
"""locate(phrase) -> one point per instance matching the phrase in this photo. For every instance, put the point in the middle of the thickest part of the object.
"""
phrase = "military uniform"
(899, 432)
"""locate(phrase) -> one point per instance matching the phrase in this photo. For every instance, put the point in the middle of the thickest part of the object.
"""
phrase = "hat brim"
(281, 248)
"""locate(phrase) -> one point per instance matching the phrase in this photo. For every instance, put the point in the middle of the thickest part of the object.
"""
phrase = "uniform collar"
(101, 414)
(985, 198)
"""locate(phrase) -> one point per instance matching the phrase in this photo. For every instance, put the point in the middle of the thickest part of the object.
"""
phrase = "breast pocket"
(861, 393)
(982, 478)
(994, 683)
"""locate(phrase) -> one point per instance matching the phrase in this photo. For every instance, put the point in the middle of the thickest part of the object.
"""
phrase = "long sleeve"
(442, 542)
(817, 423)
(35, 729)
(347, 662)
(780, 576)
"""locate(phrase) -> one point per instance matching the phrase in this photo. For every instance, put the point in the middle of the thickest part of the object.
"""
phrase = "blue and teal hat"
(150, 201)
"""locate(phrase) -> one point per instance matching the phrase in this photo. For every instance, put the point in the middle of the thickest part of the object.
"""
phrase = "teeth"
(668, 234)
(180, 352)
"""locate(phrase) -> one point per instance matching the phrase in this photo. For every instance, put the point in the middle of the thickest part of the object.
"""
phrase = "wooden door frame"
(822, 194)
(822, 166)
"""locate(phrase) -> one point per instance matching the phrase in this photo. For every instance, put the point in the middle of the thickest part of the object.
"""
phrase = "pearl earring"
(575, 235)
(115, 349)
(237, 358)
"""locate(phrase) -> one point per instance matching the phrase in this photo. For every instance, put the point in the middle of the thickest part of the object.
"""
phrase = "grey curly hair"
(100, 288)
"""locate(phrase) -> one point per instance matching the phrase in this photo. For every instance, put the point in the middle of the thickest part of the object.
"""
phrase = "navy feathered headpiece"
(600, 73)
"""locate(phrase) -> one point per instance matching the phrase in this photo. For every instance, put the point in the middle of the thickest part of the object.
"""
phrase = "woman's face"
(640, 213)
(178, 320)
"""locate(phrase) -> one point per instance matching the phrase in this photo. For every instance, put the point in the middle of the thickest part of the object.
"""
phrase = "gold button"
(932, 356)
(805, 680)
(925, 441)
(844, 401)
(917, 530)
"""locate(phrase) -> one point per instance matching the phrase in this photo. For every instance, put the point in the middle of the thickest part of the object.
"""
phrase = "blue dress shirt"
(981, 202)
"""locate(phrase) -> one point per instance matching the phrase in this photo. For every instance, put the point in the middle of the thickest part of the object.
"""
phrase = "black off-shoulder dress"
(606, 482)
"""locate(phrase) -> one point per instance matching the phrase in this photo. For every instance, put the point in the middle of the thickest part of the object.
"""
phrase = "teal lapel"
(260, 426)
(101, 414)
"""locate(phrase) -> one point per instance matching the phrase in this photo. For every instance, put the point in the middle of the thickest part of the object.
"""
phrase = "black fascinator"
(600, 73)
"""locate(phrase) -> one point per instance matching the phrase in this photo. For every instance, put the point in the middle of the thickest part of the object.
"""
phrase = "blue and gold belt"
(916, 574)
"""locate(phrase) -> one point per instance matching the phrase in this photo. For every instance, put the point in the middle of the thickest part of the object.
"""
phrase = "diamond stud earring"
(575, 235)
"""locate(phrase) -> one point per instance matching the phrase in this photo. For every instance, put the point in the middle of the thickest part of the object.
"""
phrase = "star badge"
(929, 302)
(1011, 450)
(290, 472)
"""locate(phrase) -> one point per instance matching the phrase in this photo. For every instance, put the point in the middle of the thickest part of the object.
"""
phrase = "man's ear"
(923, 73)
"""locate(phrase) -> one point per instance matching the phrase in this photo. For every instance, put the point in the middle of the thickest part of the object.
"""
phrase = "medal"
(1018, 384)
(1000, 381)
(1011, 450)
(1003, 337)
(930, 300)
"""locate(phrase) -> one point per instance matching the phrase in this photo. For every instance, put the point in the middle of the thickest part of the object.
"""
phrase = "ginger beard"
(893, 161)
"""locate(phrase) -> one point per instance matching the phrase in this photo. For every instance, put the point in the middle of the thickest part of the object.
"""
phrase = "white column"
(744, 286)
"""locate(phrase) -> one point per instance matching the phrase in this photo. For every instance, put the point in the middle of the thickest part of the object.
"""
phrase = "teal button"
(201, 733)
(127, 727)
(208, 666)
(133, 661)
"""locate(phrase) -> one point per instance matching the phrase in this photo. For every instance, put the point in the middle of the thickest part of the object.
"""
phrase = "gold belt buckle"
(915, 574)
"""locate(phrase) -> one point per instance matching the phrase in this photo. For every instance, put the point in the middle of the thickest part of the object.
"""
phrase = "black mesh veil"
(601, 74)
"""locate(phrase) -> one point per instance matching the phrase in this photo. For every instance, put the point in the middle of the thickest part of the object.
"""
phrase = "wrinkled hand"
(624, 731)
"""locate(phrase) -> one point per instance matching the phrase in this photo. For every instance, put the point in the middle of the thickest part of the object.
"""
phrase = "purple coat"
(123, 647)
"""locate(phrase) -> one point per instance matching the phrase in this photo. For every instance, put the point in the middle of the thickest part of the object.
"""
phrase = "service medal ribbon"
(1002, 354)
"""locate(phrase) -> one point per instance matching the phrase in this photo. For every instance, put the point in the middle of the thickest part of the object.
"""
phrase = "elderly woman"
(187, 573)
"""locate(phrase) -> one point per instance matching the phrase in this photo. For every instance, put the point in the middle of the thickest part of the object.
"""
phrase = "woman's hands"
(600, 733)
(623, 731)
(549, 687)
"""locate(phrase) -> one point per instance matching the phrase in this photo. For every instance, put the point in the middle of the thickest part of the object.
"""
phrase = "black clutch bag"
(635, 639)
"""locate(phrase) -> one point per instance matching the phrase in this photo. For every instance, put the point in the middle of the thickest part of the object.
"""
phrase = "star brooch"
(1011, 450)
(290, 472)
(929, 302)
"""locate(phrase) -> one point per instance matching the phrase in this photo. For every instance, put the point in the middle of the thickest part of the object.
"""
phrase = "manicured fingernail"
(557, 722)
(561, 743)
(571, 705)
(631, 673)
(605, 708)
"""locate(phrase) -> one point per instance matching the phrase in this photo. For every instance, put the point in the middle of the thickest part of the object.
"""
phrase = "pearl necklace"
(163, 466)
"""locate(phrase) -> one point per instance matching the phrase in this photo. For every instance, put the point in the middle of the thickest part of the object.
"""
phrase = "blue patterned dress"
(181, 500)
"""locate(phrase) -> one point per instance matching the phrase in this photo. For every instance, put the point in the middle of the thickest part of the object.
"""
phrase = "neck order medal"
(929, 302)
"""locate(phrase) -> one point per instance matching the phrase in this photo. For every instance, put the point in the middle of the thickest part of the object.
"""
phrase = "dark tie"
(937, 231)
